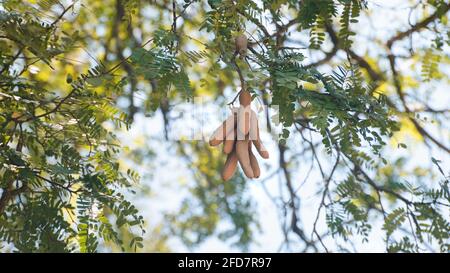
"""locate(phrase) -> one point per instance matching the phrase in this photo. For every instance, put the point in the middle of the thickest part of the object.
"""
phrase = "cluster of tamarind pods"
(238, 133)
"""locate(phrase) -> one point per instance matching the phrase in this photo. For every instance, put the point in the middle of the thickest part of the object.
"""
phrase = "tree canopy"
(362, 105)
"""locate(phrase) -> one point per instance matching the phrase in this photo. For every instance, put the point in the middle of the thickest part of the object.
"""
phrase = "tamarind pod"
(253, 162)
(241, 43)
(254, 132)
(229, 142)
(230, 166)
(243, 157)
(261, 149)
(230, 139)
(220, 133)
(245, 98)
(243, 121)
(257, 141)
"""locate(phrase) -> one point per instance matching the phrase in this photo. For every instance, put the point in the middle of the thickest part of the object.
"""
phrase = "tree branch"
(418, 27)
(294, 220)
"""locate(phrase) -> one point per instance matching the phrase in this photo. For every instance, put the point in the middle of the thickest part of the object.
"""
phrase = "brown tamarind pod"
(243, 121)
(220, 133)
(261, 149)
(229, 142)
(241, 42)
(230, 166)
(253, 162)
(243, 157)
(255, 138)
(245, 98)
(254, 132)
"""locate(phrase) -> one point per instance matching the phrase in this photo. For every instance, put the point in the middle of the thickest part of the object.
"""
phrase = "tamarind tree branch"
(22, 47)
(398, 87)
(419, 26)
(293, 201)
(239, 71)
(377, 77)
(9, 193)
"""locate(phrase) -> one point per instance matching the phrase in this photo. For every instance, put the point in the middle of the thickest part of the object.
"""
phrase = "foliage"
(163, 68)
(65, 183)
(59, 168)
